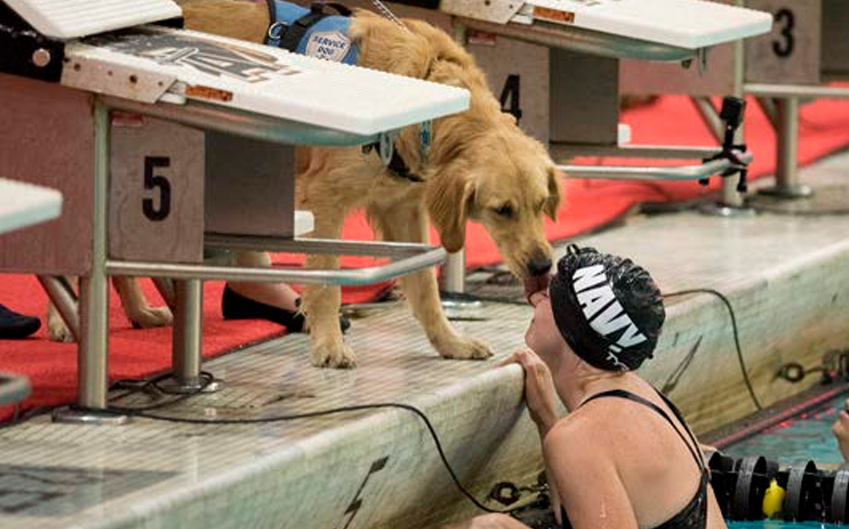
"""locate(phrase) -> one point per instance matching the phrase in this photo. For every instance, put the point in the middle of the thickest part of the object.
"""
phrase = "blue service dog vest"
(311, 32)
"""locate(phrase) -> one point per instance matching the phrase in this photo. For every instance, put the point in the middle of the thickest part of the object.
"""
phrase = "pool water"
(772, 524)
(807, 437)
(800, 439)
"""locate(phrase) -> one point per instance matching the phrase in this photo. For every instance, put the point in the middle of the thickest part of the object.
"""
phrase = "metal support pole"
(731, 198)
(732, 202)
(454, 270)
(710, 115)
(454, 273)
(187, 346)
(64, 299)
(165, 287)
(93, 345)
(787, 184)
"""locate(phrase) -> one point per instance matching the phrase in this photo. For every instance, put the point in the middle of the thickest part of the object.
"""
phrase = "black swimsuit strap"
(623, 394)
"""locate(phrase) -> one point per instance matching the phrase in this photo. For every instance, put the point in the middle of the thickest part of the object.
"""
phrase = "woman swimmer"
(623, 457)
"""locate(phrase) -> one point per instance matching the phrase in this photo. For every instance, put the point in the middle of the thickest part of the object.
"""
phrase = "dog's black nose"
(539, 264)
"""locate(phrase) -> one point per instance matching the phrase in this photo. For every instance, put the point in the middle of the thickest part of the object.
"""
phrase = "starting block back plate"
(48, 140)
(67, 19)
(260, 79)
(156, 191)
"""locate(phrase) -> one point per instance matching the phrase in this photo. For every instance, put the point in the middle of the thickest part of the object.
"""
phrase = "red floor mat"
(589, 204)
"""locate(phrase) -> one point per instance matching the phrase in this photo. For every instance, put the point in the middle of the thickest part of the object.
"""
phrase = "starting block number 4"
(518, 73)
(791, 52)
(156, 191)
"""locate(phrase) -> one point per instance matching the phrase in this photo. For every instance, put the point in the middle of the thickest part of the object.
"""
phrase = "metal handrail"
(686, 172)
(359, 276)
(782, 91)
(562, 150)
(314, 246)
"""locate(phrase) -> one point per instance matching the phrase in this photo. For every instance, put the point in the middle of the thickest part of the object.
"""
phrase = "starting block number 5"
(154, 182)
(156, 191)
(791, 52)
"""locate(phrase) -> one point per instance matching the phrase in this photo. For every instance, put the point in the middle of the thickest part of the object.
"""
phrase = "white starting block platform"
(690, 24)
(153, 64)
(379, 469)
(23, 205)
(68, 19)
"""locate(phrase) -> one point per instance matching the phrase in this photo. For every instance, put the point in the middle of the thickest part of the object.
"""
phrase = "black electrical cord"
(735, 330)
(143, 412)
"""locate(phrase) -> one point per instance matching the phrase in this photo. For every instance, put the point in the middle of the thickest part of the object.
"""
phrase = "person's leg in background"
(15, 326)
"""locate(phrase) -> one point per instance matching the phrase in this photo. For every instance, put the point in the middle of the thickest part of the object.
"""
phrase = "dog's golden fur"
(481, 167)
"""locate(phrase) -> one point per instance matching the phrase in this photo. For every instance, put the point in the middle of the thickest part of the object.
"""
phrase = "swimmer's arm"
(587, 481)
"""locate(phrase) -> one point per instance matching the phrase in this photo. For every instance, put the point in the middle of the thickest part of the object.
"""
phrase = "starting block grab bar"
(686, 172)
(409, 258)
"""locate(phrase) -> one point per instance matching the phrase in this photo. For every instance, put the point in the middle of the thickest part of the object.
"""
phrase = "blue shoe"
(14, 326)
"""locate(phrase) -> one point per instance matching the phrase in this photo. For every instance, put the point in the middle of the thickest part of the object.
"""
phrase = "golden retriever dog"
(133, 301)
(480, 167)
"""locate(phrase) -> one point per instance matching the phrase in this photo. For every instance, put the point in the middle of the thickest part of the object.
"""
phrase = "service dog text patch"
(330, 45)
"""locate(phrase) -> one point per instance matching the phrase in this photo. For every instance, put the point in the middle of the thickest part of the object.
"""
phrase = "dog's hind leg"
(321, 303)
(136, 307)
(407, 223)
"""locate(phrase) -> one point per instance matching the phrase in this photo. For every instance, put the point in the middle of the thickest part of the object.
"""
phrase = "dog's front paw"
(465, 349)
(150, 317)
(333, 354)
(57, 331)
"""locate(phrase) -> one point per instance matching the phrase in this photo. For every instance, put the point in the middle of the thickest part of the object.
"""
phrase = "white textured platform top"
(690, 24)
(152, 64)
(23, 205)
(68, 19)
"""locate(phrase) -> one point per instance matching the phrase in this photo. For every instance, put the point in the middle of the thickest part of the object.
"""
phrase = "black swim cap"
(608, 309)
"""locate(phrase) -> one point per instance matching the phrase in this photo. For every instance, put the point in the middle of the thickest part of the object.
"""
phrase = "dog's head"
(507, 182)
(481, 166)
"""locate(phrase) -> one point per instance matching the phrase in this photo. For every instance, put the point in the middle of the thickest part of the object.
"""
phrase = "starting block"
(806, 47)
(145, 196)
(559, 67)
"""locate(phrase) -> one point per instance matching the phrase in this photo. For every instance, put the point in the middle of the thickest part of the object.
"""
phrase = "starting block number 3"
(156, 191)
(791, 52)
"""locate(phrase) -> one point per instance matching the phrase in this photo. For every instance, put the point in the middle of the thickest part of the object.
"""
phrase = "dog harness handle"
(289, 36)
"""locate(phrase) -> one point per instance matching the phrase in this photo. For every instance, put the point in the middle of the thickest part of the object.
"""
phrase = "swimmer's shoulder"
(574, 430)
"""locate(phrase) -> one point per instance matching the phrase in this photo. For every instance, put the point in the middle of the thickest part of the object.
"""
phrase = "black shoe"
(15, 326)
(237, 307)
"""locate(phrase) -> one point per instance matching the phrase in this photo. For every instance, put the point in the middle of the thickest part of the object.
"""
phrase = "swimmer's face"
(542, 335)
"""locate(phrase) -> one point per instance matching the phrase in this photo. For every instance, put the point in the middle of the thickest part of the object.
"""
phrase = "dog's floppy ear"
(449, 200)
(552, 205)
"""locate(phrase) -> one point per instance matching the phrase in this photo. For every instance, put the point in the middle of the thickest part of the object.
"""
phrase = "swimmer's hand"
(489, 521)
(539, 388)
(840, 429)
